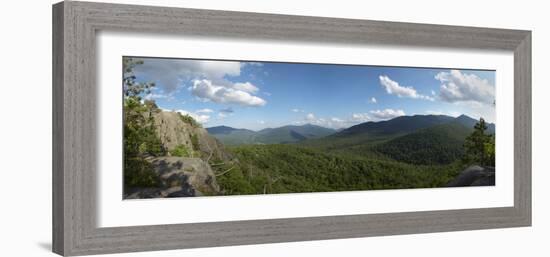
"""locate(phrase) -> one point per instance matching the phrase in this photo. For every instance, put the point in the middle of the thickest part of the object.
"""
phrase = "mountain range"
(280, 135)
(315, 135)
(417, 139)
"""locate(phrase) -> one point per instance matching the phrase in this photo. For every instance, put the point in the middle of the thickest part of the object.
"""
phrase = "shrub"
(195, 142)
(181, 151)
(139, 173)
(189, 120)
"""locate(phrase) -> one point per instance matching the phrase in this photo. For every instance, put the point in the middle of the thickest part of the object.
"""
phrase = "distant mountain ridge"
(367, 138)
(225, 130)
(279, 135)
(402, 124)
(408, 124)
(471, 122)
(314, 135)
(439, 144)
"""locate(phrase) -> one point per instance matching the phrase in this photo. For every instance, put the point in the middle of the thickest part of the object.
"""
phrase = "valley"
(419, 151)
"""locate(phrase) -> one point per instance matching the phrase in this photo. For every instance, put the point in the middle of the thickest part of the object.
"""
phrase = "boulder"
(474, 176)
(179, 176)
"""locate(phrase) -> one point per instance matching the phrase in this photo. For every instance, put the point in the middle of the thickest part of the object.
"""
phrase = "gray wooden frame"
(74, 129)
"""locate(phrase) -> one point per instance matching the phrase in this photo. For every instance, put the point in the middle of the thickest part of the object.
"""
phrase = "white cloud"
(246, 87)
(334, 122)
(393, 88)
(296, 110)
(222, 115)
(206, 110)
(373, 100)
(461, 87)
(452, 113)
(153, 96)
(170, 73)
(206, 90)
(360, 117)
(261, 122)
(386, 114)
(158, 93)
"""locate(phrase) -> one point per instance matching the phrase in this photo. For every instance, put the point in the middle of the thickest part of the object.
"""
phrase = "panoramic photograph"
(196, 127)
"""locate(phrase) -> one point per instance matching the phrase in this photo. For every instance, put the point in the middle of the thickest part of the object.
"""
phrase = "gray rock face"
(173, 131)
(474, 176)
(190, 175)
(179, 176)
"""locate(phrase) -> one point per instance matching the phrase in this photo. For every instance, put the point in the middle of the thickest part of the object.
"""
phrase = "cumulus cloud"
(170, 73)
(373, 100)
(209, 80)
(296, 110)
(246, 87)
(334, 122)
(360, 117)
(393, 88)
(386, 114)
(207, 90)
(461, 87)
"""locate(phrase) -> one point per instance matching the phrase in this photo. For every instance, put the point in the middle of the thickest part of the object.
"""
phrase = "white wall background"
(25, 128)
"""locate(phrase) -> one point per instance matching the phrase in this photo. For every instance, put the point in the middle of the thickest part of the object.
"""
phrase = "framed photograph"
(183, 128)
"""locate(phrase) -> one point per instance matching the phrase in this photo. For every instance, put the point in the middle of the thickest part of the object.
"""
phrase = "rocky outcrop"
(179, 176)
(189, 173)
(173, 131)
(474, 176)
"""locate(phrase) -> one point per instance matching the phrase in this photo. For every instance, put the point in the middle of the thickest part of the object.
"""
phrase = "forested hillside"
(440, 144)
(290, 168)
(431, 155)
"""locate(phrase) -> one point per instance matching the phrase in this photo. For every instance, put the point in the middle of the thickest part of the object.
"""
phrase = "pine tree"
(480, 146)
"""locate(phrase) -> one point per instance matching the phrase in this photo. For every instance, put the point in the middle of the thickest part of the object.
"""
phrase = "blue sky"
(257, 95)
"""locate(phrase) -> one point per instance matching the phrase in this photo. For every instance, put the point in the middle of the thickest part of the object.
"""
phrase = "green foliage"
(291, 168)
(480, 146)
(182, 151)
(440, 144)
(189, 120)
(489, 149)
(139, 132)
(140, 137)
(195, 142)
(139, 173)
(132, 88)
